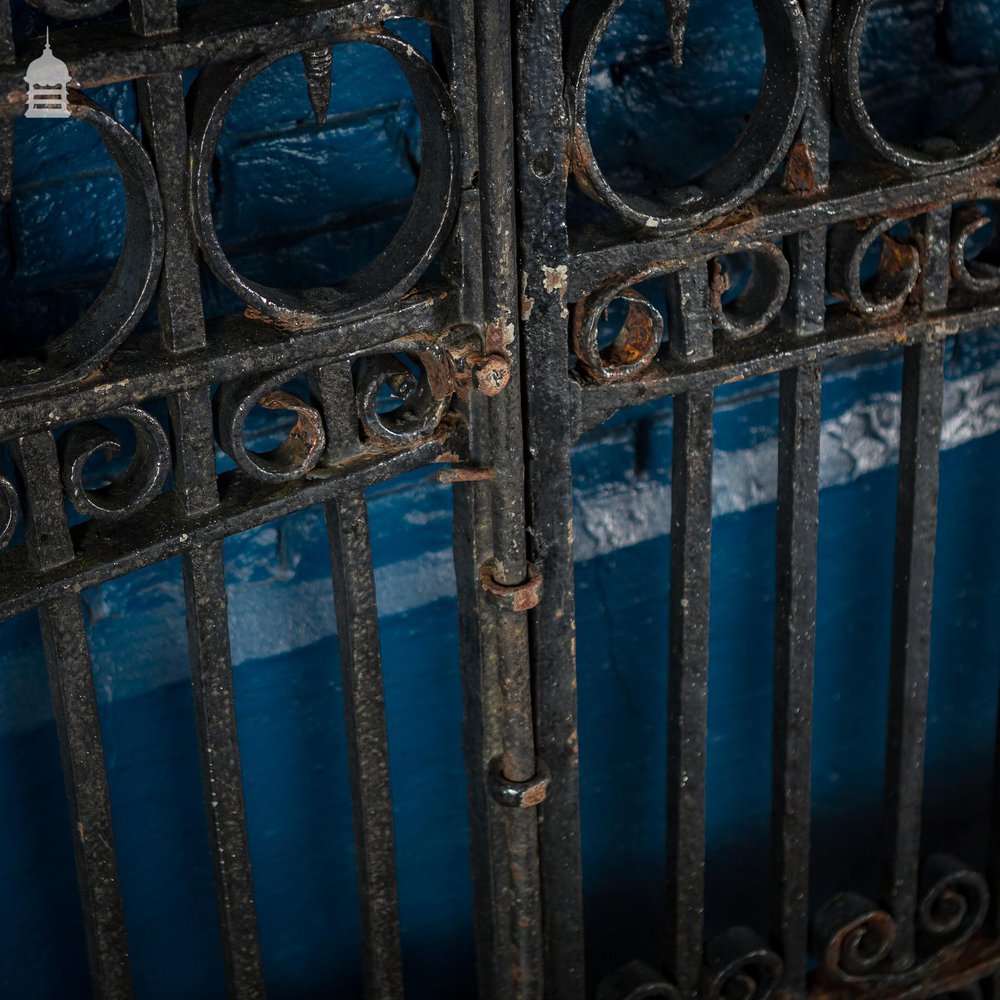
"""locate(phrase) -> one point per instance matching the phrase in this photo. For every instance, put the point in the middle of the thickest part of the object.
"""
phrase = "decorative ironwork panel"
(802, 229)
(482, 325)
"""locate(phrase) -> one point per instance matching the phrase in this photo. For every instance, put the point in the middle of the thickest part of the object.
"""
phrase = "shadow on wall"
(60, 240)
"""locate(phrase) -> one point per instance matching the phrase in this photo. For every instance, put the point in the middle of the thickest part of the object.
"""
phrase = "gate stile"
(498, 368)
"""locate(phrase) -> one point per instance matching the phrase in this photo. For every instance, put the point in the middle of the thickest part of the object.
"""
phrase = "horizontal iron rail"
(765, 355)
(235, 346)
(106, 552)
(856, 193)
(108, 52)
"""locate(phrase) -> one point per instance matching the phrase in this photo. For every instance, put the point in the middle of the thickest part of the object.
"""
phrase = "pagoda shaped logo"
(48, 83)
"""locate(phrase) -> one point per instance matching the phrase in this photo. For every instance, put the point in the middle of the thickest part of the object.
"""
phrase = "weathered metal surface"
(495, 364)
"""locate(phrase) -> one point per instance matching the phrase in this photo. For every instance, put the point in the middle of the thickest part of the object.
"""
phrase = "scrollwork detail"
(10, 511)
(113, 315)
(634, 347)
(739, 966)
(423, 232)
(636, 980)
(855, 937)
(760, 300)
(898, 269)
(137, 486)
(953, 903)
(301, 450)
(972, 139)
(423, 398)
(980, 274)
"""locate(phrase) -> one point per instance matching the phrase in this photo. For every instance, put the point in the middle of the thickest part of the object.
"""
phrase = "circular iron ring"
(112, 316)
(394, 271)
(748, 164)
(969, 140)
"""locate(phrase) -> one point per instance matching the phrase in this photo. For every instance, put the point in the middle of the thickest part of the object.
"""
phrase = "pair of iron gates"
(505, 367)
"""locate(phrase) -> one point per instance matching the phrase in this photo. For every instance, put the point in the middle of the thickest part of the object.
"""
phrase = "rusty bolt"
(489, 374)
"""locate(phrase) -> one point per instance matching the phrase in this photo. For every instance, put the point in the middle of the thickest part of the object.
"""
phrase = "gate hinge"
(519, 794)
(512, 597)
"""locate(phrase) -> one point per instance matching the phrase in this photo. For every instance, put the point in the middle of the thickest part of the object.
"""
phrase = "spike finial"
(319, 79)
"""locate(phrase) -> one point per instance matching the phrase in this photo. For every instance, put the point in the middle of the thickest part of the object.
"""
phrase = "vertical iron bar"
(364, 698)
(794, 660)
(542, 139)
(913, 576)
(800, 394)
(74, 702)
(519, 901)
(162, 111)
(690, 569)
(367, 743)
(464, 263)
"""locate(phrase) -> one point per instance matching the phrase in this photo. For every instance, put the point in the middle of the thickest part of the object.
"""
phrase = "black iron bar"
(690, 575)
(542, 139)
(913, 578)
(795, 634)
(519, 897)
(106, 52)
(235, 345)
(162, 109)
(800, 394)
(367, 744)
(74, 704)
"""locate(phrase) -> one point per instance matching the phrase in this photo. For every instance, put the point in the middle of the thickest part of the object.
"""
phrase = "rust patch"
(719, 283)
(527, 303)
(800, 170)
(499, 336)
(635, 339)
(307, 439)
(280, 324)
(512, 597)
(464, 474)
(897, 255)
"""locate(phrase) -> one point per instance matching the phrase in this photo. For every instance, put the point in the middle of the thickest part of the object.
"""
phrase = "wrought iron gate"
(510, 327)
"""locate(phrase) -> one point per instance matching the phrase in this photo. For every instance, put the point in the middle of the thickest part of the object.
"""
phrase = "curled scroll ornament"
(137, 486)
(979, 274)
(898, 269)
(301, 450)
(637, 342)
(854, 937)
(636, 980)
(393, 272)
(969, 140)
(737, 966)
(640, 337)
(740, 172)
(424, 397)
(10, 511)
(760, 300)
(121, 304)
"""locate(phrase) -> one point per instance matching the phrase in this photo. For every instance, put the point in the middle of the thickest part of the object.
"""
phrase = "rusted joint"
(512, 597)
(464, 474)
(519, 794)
(488, 374)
